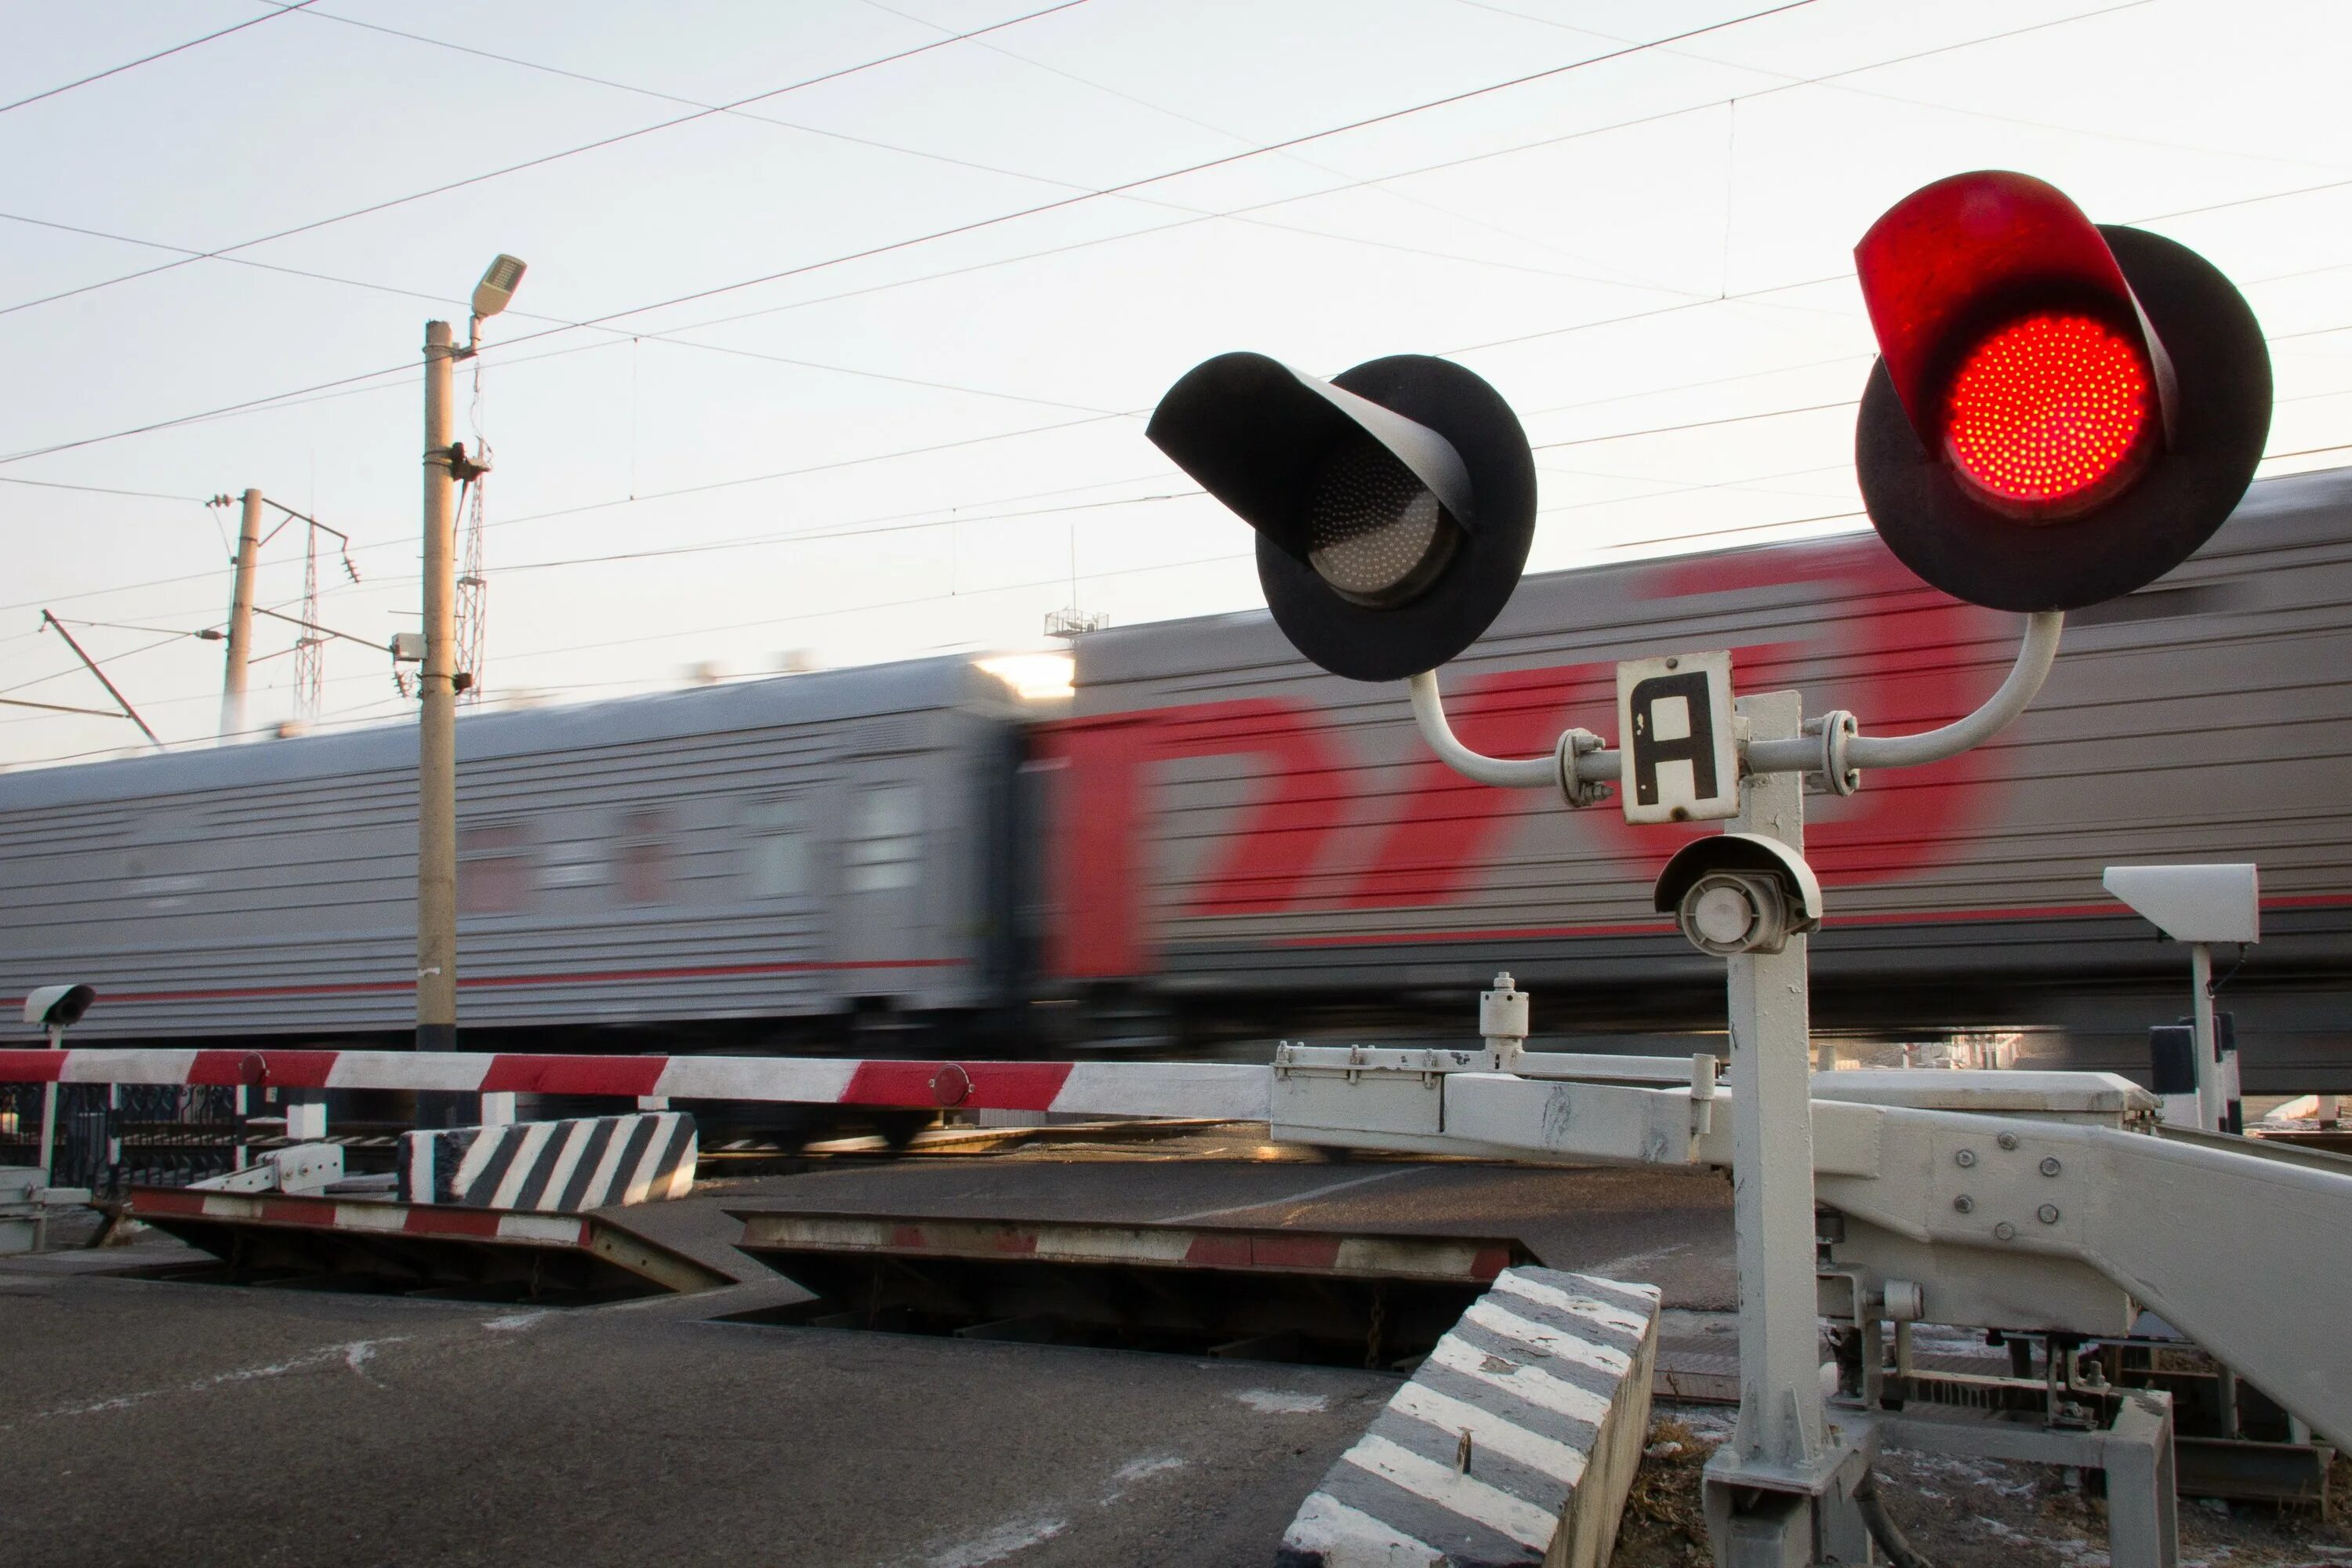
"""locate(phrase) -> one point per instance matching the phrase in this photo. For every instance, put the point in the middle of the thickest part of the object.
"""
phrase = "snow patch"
(1014, 1535)
(1276, 1401)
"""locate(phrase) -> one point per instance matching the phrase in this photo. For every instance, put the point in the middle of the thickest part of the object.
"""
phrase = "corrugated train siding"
(299, 895)
(2221, 733)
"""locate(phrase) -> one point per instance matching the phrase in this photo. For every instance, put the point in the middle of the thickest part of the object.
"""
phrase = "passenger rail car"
(743, 863)
(1214, 842)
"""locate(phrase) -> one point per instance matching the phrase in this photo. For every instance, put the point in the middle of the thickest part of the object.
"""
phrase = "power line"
(150, 59)
(1202, 166)
(1908, 101)
(1039, 429)
(1069, 425)
(1057, 581)
(303, 393)
(541, 161)
(1440, 167)
(98, 490)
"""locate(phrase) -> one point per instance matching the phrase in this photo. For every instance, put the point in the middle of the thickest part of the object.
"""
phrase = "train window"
(779, 850)
(885, 849)
(493, 870)
(641, 857)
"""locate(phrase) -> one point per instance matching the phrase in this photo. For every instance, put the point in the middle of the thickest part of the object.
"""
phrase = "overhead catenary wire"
(741, 480)
(160, 54)
(869, 252)
(447, 186)
(1809, 520)
(1621, 435)
(308, 393)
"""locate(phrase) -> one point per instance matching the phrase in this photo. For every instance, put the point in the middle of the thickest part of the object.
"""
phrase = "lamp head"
(495, 290)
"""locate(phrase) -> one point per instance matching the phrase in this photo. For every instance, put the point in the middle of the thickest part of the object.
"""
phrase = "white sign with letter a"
(1678, 761)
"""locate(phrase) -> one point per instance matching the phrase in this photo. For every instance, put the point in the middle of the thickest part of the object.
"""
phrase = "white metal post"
(1773, 1148)
(1778, 1491)
(48, 1139)
(2209, 1089)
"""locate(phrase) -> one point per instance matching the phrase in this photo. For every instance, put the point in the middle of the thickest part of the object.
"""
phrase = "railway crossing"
(2061, 413)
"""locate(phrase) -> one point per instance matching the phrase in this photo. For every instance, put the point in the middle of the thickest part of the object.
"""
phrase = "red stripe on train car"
(489, 981)
(31, 1067)
(1489, 1262)
(1862, 918)
(296, 1211)
(272, 1069)
(531, 1074)
(985, 1086)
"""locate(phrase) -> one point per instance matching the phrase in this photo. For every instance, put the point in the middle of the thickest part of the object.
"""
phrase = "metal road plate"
(1679, 760)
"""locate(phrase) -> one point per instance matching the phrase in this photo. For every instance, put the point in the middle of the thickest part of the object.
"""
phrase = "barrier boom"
(1215, 1090)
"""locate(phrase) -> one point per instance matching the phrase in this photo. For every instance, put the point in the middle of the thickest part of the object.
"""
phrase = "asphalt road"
(146, 1423)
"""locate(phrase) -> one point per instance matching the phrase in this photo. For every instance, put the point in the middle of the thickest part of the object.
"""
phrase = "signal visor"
(2061, 412)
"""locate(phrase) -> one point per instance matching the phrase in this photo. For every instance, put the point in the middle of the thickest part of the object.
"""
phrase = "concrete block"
(1513, 1447)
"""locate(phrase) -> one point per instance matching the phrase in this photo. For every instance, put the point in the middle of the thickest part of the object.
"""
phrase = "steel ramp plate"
(341, 1242)
(1293, 1295)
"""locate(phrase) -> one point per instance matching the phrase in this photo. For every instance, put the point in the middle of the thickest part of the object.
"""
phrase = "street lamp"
(494, 293)
(436, 746)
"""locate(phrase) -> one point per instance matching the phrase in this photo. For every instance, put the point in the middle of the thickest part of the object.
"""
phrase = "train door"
(881, 915)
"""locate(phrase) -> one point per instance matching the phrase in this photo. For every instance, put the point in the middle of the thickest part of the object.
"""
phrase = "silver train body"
(1214, 842)
(733, 859)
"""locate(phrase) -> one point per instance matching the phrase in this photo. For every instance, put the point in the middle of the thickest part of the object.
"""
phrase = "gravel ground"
(1976, 1513)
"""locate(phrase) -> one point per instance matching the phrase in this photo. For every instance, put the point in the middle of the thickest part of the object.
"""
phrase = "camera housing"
(1738, 892)
(58, 1006)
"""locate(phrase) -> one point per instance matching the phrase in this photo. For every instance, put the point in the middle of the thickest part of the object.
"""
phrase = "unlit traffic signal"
(1393, 504)
(2062, 412)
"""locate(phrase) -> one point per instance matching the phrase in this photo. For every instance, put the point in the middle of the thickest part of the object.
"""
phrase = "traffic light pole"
(1781, 1490)
(1785, 1489)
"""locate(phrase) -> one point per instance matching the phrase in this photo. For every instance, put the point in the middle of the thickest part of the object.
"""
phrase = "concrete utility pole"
(240, 619)
(436, 741)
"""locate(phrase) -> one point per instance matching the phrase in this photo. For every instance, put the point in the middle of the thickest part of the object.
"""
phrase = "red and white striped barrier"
(1210, 1091)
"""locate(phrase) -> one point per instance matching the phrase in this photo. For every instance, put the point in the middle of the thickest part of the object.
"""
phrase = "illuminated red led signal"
(2047, 410)
(2062, 412)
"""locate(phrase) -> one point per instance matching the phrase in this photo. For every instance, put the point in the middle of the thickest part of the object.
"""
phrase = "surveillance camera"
(1739, 892)
(58, 1006)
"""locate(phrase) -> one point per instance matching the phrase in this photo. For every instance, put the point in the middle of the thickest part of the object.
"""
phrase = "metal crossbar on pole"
(112, 690)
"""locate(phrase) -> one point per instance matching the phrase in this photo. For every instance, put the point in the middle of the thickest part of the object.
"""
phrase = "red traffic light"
(2061, 412)
(2049, 410)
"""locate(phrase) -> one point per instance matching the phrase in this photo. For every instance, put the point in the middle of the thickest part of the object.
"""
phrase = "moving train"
(1210, 844)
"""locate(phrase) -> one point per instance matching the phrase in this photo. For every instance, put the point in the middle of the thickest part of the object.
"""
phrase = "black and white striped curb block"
(551, 1167)
(1513, 1445)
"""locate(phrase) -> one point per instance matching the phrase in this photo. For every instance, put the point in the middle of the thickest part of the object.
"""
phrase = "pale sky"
(860, 456)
